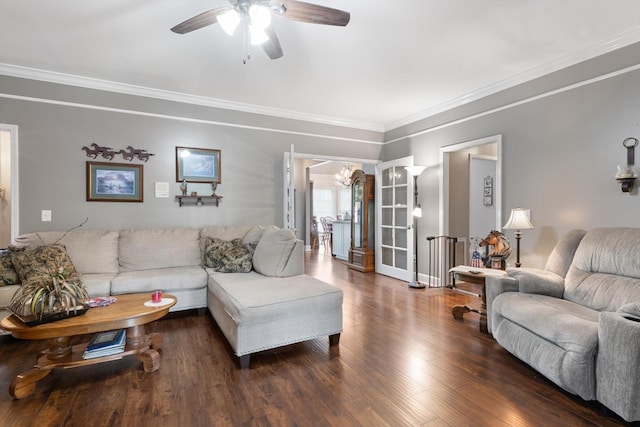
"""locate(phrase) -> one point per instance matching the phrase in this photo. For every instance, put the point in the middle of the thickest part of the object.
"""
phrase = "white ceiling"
(396, 61)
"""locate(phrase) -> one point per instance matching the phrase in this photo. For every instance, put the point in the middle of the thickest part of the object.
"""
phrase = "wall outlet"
(45, 216)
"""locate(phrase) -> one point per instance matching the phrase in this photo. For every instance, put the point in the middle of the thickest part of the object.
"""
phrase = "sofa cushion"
(556, 337)
(536, 281)
(631, 310)
(166, 279)
(562, 254)
(8, 274)
(255, 233)
(6, 293)
(252, 298)
(605, 273)
(228, 256)
(223, 233)
(273, 252)
(41, 260)
(153, 248)
(91, 251)
(568, 325)
(98, 284)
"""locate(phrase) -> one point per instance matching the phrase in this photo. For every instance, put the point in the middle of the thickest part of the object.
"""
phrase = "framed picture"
(488, 200)
(488, 181)
(198, 165)
(488, 191)
(114, 182)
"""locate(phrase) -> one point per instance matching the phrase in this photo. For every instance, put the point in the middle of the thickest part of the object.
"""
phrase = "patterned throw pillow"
(46, 259)
(8, 275)
(228, 256)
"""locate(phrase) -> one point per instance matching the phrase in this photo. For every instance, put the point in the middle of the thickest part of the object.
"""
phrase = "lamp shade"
(417, 211)
(415, 170)
(519, 220)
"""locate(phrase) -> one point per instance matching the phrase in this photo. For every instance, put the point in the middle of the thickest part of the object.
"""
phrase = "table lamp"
(519, 220)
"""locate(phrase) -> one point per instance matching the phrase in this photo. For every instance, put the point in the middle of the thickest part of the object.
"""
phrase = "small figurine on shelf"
(183, 187)
(476, 260)
(214, 185)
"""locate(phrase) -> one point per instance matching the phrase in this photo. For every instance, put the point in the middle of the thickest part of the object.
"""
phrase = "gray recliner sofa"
(577, 321)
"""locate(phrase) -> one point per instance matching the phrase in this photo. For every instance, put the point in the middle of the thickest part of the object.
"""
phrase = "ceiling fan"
(256, 18)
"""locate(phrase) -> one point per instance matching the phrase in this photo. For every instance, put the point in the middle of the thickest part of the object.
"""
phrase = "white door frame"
(15, 200)
(295, 155)
(477, 210)
(444, 179)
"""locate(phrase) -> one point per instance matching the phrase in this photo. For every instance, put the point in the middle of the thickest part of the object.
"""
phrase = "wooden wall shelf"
(198, 200)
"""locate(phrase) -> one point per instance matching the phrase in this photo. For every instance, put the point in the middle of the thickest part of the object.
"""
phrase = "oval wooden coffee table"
(129, 311)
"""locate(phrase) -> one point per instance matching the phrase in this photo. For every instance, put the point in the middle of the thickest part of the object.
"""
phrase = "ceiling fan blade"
(312, 13)
(199, 21)
(272, 46)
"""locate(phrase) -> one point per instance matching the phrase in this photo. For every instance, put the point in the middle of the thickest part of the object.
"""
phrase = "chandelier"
(344, 176)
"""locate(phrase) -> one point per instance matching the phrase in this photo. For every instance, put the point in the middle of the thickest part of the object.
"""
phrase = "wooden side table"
(130, 311)
(476, 276)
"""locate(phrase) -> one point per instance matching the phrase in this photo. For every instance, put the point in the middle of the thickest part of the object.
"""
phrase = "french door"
(394, 223)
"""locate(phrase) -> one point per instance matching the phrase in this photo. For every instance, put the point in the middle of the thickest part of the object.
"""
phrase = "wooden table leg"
(148, 345)
(150, 360)
(25, 384)
(136, 337)
(59, 348)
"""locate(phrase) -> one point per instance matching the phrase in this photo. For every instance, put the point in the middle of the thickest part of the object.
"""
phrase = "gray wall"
(53, 166)
(560, 150)
(561, 135)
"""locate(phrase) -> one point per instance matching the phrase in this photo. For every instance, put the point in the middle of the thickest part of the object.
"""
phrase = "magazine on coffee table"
(105, 344)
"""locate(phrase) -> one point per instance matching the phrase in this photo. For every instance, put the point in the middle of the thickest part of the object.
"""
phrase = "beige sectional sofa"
(274, 304)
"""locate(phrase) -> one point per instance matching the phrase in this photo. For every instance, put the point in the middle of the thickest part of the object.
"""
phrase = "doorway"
(8, 184)
(455, 190)
(294, 178)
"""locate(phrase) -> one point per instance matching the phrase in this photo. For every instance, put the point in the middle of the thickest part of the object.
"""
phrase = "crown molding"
(517, 103)
(148, 92)
(624, 39)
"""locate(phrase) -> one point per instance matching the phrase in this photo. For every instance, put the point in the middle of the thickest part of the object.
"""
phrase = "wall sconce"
(627, 175)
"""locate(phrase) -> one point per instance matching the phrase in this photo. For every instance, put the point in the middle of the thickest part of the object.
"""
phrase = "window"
(323, 202)
(344, 200)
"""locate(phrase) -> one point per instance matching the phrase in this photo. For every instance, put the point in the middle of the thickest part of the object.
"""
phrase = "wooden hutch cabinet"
(361, 252)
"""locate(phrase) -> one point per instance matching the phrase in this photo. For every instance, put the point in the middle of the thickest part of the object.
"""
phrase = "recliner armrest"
(536, 281)
(618, 363)
(494, 286)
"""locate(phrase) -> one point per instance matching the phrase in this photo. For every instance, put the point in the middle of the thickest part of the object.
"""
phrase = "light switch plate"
(162, 189)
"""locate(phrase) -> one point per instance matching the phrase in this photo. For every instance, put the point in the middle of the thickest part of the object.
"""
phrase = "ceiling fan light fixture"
(229, 21)
(257, 35)
(260, 16)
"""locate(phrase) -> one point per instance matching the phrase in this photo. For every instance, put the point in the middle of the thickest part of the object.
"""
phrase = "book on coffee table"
(105, 344)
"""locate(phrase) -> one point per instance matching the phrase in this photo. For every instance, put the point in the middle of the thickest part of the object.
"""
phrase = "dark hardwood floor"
(402, 361)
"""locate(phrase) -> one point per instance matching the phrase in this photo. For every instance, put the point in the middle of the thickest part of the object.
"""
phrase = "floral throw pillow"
(41, 260)
(8, 275)
(228, 256)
